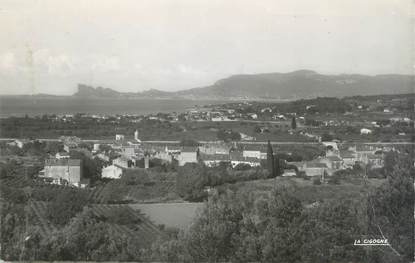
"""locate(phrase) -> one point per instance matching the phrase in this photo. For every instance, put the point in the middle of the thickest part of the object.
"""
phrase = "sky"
(49, 46)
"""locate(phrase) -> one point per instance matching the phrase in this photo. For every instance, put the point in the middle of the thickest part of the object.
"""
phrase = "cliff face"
(293, 85)
(305, 84)
(88, 91)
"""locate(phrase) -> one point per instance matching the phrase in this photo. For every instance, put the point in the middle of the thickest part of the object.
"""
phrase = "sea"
(33, 106)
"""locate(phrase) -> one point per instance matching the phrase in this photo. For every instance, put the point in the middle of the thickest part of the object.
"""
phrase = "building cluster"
(140, 155)
(62, 169)
(121, 154)
(337, 159)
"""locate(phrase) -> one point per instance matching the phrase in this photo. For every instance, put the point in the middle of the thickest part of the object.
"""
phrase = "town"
(238, 137)
(121, 155)
(150, 176)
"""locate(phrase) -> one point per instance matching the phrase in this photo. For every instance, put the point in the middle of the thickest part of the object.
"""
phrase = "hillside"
(304, 84)
(294, 85)
(85, 91)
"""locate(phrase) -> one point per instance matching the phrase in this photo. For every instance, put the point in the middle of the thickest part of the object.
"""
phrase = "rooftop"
(215, 157)
(334, 158)
(315, 165)
(62, 162)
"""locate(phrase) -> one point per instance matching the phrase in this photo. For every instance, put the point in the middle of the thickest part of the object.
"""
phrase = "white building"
(62, 155)
(119, 137)
(111, 172)
(63, 171)
(211, 160)
(245, 137)
(187, 155)
(289, 172)
(96, 147)
(365, 131)
(253, 162)
(252, 154)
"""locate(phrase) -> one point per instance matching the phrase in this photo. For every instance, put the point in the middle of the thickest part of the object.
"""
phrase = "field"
(308, 193)
(177, 215)
(37, 212)
(117, 191)
(138, 225)
(17, 181)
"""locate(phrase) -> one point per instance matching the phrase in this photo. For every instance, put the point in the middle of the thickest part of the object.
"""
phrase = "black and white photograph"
(207, 131)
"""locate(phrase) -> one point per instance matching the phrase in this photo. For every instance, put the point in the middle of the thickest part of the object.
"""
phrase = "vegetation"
(228, 135)
(242, 226)
(193, 180)
(65, 206)
(247, 217)
(293, 123)
(274, 163)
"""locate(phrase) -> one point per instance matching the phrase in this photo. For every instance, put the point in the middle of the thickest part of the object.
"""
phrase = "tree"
(66, 205)
(189, 142)
(228, 135)
(293, 124)
(88, 238)
(390, 211)
(326, 137)
(242, 167)
(270, 159)
(276, 166)
(212, 237)
(190, 182)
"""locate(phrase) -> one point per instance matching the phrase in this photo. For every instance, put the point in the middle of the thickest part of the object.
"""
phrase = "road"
(242, 142)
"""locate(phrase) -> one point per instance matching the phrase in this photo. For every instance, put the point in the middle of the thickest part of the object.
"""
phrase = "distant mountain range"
(294, 85)
(272, 86)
